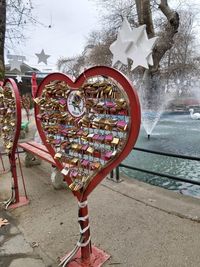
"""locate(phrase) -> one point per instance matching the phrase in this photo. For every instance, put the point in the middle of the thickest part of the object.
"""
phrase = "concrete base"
(31, 160)
(57, 179)
(98, 257)
(22, 134)
(22, 202)
(4, 171)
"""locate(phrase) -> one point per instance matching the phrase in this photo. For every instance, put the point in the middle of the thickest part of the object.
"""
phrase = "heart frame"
(16, 200)
(16, 133)
(134, 113)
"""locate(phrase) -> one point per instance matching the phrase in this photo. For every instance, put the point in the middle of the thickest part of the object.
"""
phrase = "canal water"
(174, 133)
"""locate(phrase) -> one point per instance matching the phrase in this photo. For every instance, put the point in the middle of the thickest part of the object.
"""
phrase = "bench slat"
(38, 152)
(38, 145)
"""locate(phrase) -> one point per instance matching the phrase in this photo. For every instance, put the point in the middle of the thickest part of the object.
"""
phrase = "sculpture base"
(22, 202)
(97, 258)
(4, 171)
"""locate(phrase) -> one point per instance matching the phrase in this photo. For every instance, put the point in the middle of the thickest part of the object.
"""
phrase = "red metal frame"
(19, 201)
(134, 114)
(1, 158)
(34, 85)
(135, 119)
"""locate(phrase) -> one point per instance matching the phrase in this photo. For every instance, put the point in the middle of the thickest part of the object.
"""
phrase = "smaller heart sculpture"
(10, 115)
(89, 125)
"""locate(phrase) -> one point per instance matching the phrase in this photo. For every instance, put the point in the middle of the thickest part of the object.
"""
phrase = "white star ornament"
(136, 34)
(15, 64)
(125, 33)
(141, 53)
(125, 30)
(118, 49)
(139, 58)
(147, 43)
(138, 52)
(19, 78)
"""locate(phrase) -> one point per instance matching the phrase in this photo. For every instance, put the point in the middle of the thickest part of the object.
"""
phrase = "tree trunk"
(2, 36)
(152, 78)
(145, 16)
(152, 88)
(165, 42)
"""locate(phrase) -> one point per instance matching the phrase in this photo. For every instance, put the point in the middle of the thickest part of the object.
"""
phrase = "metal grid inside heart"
(87, 126)
(7, 116)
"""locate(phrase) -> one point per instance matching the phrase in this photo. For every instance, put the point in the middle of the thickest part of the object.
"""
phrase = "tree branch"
(165, 41)
(2, 36)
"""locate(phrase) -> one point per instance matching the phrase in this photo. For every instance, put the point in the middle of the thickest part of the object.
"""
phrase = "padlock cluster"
(7, 116)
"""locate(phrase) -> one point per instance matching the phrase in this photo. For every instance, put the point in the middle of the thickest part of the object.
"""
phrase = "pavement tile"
(27, 262)
(15, 245)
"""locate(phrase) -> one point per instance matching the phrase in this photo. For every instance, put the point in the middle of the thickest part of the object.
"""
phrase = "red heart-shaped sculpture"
(10, 115)
(89, 125)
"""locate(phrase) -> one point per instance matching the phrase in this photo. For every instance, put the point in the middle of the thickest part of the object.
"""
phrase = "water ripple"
(177, 134)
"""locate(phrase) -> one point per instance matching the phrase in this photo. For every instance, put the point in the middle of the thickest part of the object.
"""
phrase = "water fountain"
(154, 102)
(178, 133)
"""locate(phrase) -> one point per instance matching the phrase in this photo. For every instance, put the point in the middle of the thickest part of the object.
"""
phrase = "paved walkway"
(15, 251)
(139, 225)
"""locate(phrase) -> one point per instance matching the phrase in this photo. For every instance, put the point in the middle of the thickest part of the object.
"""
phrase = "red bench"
(35, 149)
(35, 153)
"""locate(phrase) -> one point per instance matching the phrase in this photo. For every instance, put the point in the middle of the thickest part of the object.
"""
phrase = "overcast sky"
(70, 21)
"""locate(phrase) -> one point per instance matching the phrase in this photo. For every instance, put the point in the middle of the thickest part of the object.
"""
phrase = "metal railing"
(115, 176)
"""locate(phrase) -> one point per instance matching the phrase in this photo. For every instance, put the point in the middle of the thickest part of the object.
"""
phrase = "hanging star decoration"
(134, 44)
(19, 78)
(15, 61)
(15, 64)
(42, 57)
(118, 49)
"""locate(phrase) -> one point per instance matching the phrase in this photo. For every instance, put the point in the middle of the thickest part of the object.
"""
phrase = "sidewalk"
(15, 251)
(139, 225)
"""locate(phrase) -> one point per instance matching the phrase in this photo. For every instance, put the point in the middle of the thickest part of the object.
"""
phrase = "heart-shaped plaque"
(88, 125)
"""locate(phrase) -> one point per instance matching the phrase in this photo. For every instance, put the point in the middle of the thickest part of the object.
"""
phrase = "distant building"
(25, 74)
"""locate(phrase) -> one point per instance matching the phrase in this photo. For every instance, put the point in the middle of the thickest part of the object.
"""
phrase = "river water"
(174, 133)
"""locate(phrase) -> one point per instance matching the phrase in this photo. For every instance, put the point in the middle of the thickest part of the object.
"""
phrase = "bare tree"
(164, 43)
(2, 36)
(180, 59)
(99, 43)
(113, 12)
(18, 17)
(96, 52)
(15, 16)
(146, 12)
(140, 12)
(72, 65)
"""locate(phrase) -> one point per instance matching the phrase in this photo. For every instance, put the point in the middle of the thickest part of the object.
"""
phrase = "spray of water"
(154, 103)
